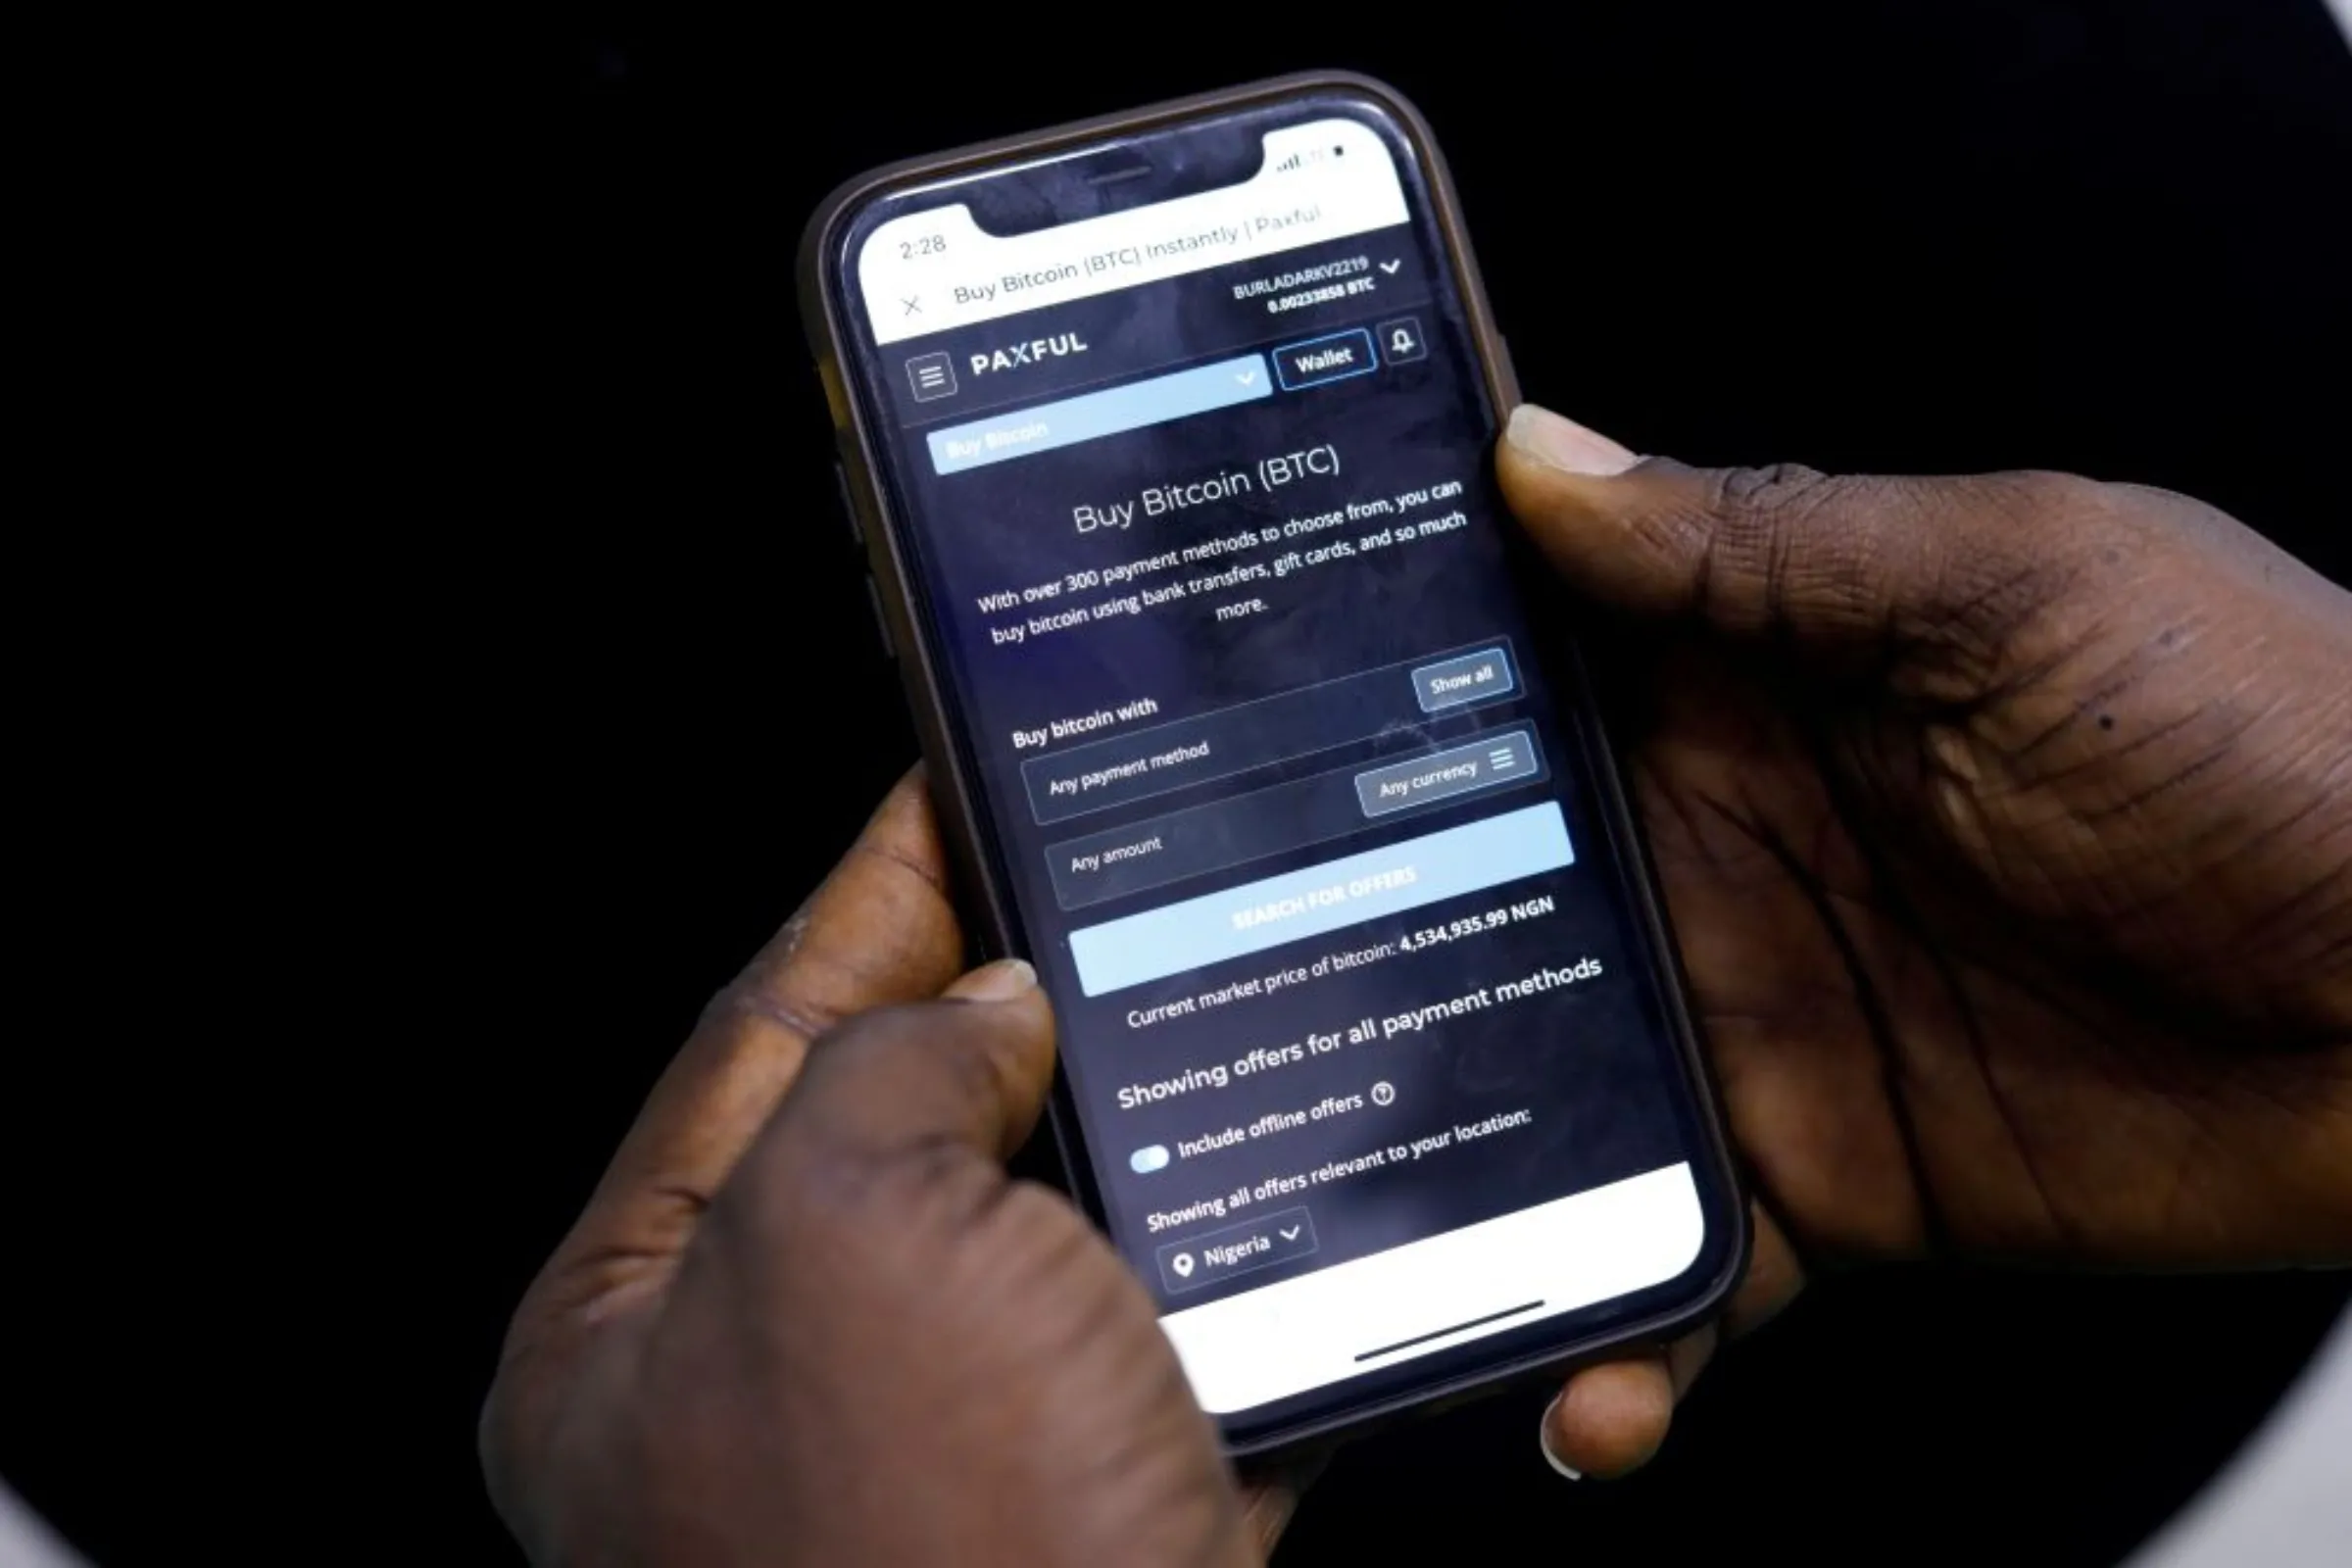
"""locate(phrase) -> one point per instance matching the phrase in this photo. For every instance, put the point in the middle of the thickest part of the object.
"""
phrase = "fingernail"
(1000, 981)
(1544, 1441)
(1564, 444)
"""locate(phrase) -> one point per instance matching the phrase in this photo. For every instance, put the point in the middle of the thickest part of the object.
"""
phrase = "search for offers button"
(1195, 933)
(1333, 358)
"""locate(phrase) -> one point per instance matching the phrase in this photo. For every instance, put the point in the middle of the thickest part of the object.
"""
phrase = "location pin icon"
(1182, 1263)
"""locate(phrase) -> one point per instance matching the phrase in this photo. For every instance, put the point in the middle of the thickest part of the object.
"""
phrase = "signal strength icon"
(1294, 161)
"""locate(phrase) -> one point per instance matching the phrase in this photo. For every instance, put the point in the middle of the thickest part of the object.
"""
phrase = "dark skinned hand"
(806, 1319)
(2006, 824)
(2005, 828)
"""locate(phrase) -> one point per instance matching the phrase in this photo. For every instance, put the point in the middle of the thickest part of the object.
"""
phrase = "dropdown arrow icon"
(1246, 377)
(1291, 1235)
(1390, 268)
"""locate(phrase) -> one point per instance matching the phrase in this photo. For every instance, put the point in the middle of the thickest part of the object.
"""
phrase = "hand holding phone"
(807, 1318)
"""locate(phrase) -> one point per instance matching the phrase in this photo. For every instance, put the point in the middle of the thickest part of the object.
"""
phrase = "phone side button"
(848, 506)
(873, 601)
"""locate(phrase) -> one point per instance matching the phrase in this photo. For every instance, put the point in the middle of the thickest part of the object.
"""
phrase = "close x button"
(1333, 358)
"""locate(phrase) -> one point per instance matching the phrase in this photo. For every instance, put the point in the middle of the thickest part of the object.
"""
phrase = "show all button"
(1333, 358)
(1471, 678)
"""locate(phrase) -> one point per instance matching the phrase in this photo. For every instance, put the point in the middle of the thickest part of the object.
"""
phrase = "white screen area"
(935, 270)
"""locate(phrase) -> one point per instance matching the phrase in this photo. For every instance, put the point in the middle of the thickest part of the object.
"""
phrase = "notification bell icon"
(1402, 339)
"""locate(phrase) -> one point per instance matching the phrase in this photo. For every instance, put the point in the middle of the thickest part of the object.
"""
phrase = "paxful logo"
(1034, 352)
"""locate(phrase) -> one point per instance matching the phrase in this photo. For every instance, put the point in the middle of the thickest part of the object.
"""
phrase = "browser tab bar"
(935, 270)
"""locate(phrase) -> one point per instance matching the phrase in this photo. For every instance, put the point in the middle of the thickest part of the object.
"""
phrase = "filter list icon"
(932, 376)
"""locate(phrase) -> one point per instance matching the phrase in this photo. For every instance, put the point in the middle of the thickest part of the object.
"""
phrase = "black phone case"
(984, 891)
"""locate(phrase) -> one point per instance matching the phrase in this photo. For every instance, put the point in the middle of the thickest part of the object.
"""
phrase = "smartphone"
(1253, 727)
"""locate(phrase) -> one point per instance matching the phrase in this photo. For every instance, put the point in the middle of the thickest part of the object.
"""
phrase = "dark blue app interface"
(1369, 1060)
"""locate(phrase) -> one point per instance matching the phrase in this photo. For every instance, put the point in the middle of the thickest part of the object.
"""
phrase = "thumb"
(968, 1072)
(1820, 560)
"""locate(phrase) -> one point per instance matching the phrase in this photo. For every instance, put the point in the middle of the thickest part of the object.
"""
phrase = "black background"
(510, 712)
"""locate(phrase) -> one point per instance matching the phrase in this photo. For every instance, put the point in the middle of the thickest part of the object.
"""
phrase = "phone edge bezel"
(956, 805)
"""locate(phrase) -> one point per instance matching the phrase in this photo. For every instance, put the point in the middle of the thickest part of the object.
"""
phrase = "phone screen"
(1367, 1048)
